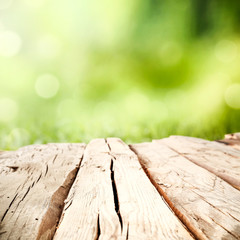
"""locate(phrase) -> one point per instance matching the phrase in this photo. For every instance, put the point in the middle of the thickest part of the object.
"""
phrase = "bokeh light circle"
(10, 43)
(232, 96)
(8, 109)
(47, 86)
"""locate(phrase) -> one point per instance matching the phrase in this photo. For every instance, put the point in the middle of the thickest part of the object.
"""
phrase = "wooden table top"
(173, 188)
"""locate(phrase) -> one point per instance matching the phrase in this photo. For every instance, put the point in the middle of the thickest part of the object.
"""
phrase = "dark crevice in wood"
(4, 231)
(46, 170)
(26, 193)
(33, 184)
(55, 158)
(69, 204)
(8, 207)
(115, 195)
(127, 232)
(230, 180)
(196, 233)
(108, 145)
(14, 168)
(223, 142)
(98, 228)
(39, 178)
(50, 221)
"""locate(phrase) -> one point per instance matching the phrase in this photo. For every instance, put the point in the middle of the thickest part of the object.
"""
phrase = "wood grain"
(205, 203)
(223, 161)
(174, 188)
(89, 212)
(144, 212)
(34, 181)
(112, 198)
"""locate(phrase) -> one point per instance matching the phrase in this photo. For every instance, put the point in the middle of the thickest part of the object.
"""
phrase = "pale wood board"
(33, 183)
(89, 212)
(207, 204)
(112, 198)
(142, 209)
(222, 160)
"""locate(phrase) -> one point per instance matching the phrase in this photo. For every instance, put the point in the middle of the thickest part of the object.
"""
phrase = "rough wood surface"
(89, 211)
(205, 203)
(223, 161)
(174, 188)
(34, 181)
(112, 198)
(142, 208)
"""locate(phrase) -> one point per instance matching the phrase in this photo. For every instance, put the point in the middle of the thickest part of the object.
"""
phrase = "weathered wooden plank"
(224, 161)
(144, 213)
(112, 198)
(34, 181)
(208, 205)
(89, 212)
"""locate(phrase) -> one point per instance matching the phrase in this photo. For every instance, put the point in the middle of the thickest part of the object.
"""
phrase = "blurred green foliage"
(75, 70)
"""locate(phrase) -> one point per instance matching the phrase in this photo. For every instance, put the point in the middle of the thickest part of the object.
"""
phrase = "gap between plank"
(50, 221)
(98, 227)
(114, 188)
(193, 231)
(115, 196)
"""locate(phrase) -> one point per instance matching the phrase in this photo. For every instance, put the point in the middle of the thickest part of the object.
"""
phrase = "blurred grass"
(75, 70)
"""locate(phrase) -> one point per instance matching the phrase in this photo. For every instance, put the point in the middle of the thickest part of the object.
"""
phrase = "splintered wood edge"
(53, 214)
(50, 220)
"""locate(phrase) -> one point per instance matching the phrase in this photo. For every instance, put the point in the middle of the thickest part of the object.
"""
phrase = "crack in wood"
(33, 184)
(68, 205)
(55, 158)
(108, 145)
(98, 228)
(14, 168)
(9, 207)
(46, 171)
(39, 178)
(4, 231)
(115, 195)
(127, 232)
(25, 194)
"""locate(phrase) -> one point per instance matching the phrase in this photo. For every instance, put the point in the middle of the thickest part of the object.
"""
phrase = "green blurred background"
(73, 70)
